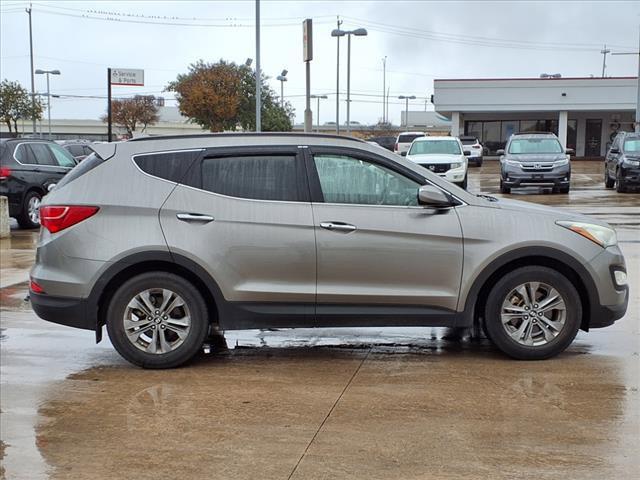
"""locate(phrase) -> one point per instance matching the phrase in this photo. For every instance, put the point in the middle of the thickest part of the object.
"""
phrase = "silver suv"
(167, 240)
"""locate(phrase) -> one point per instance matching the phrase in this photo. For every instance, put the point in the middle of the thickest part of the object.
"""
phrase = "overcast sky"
(422, 40)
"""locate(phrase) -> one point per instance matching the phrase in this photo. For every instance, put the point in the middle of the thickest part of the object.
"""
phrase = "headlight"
(513, 163)
(456, 165)
(559, 163)
(631, 163)
(603, 236)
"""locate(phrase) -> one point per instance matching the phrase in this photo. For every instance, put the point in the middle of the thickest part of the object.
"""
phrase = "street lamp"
(358, 32)
(406, 108)
(283, 78)
(47, 73)
(318, 97)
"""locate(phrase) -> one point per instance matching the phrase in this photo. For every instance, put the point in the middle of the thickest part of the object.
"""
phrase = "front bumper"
(630, 175)
(72, 312)
(611, 302)
(514, 177)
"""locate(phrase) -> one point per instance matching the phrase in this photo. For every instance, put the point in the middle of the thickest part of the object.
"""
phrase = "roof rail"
(533, 133)
(245, 134)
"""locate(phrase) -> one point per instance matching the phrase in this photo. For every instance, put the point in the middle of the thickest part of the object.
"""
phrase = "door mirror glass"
(430, 196)
(500, 151)
(570, 151)
(614, 150)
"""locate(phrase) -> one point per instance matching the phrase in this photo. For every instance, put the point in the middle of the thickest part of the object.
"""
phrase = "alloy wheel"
(33, 210)
(533, 314)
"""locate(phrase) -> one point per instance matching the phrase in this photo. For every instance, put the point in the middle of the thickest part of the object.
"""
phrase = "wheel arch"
(568, 266)
(143, 262)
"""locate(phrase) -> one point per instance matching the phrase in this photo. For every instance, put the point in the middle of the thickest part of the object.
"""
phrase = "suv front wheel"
(157, 320)
(533, 313)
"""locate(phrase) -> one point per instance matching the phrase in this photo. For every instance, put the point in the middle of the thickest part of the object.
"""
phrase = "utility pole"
(637, 122)
(33, 81)
(387, 112)
(384, 88)
(338, 22)
(109, 117)
(604, 52)
(307, 56)
(258, 74)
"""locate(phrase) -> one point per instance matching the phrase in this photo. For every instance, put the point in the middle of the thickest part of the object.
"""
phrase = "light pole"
(334, 33)
(637, 123)
(358, 32)
(258, 73)
(283, 78)
(47, 73)
(318, 97)
(406, 108)
(384, 89)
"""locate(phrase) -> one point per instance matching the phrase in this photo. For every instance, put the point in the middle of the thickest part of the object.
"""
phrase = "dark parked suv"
(622, 163)
(29, 168)
(535, 159)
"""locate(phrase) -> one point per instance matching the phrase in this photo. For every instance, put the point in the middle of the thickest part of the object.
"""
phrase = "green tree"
(16, 104)
(221, 96)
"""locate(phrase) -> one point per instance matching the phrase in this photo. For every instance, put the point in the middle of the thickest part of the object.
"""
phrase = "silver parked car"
(165, 239)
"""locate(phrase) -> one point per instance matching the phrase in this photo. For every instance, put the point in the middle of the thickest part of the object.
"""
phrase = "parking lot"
(327, 403)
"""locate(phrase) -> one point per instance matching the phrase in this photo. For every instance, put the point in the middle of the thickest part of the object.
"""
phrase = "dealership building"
(585, 113)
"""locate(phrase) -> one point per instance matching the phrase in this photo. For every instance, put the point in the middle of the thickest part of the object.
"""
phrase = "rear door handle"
(194, 217)
(338, 226)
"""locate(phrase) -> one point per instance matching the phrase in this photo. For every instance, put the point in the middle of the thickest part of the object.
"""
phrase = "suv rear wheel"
(533, 313)
(157, 320)
(30, 215)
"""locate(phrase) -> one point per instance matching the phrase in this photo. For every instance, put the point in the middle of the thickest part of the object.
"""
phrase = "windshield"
(535, 145)
(408, 138)
(469, 141)
(632, 145)
(435, 147)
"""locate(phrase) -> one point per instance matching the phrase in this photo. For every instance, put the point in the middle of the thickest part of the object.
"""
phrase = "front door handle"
(194, 217)
(338, 226)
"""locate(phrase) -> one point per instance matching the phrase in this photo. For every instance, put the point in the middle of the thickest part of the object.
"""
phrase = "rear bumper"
(68, 311)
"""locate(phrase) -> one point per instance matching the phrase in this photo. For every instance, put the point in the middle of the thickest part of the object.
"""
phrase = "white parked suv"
(443, 156)
(403, 142)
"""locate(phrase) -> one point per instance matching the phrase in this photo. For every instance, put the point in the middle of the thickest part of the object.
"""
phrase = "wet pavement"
(326, 403)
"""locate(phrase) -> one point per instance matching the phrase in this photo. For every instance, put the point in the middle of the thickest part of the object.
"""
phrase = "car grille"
(437, 167)
(537, 166)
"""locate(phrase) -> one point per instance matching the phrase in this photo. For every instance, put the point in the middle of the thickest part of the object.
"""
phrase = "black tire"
(608, 181)
(493, 323)
(24, 219)
(504, 189)
(463, 184)
(193, 300)
(621, 186)
(563, 189)
(479, 163)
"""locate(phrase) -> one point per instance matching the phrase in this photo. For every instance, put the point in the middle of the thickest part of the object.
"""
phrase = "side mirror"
(614, 151)
(467, 153)
(500, 152)
(403, 154)
(433, 197)
(51, 186)
(570, 151)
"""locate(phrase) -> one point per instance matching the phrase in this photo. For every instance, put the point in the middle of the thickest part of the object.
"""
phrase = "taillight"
(34, 287)
(57, 217)
(5, 172)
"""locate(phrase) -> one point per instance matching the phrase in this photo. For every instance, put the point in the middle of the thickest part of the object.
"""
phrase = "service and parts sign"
(127, 76)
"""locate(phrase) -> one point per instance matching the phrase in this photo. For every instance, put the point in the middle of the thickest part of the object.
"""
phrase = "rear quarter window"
(172, 166)
(89, 163)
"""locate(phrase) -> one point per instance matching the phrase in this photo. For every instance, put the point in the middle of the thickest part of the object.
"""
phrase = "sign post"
(307, 56)
(125, 77)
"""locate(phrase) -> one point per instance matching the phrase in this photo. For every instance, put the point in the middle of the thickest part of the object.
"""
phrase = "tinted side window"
(42, 154)
(62, 157)
(345, 179)
(75, 150)
(260, 177)
(172, 166)
(24, 155)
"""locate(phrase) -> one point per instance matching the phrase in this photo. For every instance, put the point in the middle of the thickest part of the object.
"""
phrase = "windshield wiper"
(488, 197)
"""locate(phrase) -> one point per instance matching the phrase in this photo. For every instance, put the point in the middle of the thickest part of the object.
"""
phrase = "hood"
(434, 158)
(557, 213)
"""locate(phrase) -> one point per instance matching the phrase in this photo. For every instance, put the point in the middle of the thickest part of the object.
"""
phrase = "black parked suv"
(29, 168)
(535, 159)
(622, 163)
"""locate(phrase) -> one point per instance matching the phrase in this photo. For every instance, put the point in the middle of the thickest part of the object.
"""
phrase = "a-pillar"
(563, 120)
(457, 127)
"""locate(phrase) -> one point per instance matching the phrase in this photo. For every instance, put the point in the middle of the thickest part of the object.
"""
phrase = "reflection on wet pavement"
(326, 403)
